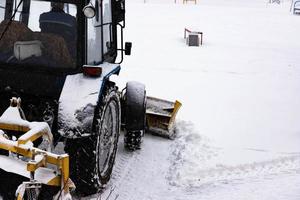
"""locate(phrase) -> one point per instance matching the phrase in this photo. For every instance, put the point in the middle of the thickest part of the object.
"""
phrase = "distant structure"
(185, 1)
(295, 7)
(275, 1)
(192, 37)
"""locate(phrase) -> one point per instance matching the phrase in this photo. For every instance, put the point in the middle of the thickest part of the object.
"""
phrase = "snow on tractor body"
(58, 57)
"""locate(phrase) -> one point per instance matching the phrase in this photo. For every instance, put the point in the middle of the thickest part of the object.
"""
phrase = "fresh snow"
(238, 129)
(17, 166)
(78, 99)
(12, 116)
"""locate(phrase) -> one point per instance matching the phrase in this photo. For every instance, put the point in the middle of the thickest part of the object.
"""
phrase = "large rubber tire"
(133, 140)
(90, 165)
(135, 115)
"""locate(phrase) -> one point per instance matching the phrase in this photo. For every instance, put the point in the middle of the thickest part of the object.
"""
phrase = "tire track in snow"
(142, 174)
(132, 172)
(121, 173)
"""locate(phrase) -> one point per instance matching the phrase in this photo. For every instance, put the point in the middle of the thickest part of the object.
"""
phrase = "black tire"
(133, 140)
(135, 115)
(88, 169)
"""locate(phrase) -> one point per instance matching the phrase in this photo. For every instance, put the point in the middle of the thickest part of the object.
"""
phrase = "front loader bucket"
(160, 116)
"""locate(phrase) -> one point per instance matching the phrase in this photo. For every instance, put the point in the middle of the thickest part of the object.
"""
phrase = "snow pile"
(196, 162)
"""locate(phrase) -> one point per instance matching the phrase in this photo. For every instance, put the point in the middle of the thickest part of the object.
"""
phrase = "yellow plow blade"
(160, 116)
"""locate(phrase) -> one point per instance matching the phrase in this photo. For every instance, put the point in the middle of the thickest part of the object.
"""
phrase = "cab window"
(42, 34)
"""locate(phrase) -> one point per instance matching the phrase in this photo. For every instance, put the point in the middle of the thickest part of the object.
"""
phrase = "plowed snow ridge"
(156, 171)
(191, 148)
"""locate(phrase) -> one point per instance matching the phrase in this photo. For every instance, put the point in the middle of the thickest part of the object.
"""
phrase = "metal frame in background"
(193, 32)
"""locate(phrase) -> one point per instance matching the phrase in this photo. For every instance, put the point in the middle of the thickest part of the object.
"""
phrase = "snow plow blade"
(160, 116)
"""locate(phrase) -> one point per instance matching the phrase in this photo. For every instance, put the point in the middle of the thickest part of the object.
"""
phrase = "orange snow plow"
(160, 116)
(24, 159)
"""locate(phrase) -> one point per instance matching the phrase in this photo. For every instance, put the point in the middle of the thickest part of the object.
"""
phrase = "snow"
(78, 99)
(37, 127)
(12, 117)
(4, 141)
(239, 124)
(17, 166)
(238, 128)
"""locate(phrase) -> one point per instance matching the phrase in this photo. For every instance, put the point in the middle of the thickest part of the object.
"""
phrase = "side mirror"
(89, 11)
(128, 46)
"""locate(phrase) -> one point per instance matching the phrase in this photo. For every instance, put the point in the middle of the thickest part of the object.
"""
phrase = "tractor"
(56, 60)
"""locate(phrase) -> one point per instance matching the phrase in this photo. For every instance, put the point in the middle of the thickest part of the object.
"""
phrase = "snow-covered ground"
(239, 132)
(238, 129)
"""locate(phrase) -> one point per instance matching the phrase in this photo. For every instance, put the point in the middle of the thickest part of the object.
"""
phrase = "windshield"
(41, 33)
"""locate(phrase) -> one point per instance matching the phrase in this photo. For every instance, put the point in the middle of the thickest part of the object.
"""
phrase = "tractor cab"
(49, 50)
(57, 35)
(42, 42)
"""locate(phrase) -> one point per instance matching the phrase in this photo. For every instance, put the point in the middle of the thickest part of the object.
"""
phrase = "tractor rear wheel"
(92, 158)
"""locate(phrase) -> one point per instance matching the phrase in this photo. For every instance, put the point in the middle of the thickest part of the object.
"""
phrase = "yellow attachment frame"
(39, 158)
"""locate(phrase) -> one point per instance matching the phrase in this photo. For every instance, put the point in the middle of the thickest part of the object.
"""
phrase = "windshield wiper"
(10, 20)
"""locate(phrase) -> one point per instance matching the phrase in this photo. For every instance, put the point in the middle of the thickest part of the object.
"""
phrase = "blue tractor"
(57, 56)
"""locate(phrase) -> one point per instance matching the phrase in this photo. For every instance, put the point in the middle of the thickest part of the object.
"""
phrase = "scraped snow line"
(273, 167)
(191, 146)
(124, 165)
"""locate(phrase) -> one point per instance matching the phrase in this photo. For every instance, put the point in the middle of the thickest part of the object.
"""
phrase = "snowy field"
(238, 130)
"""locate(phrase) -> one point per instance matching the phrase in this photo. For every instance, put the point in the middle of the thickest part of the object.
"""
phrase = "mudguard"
(78, 100)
